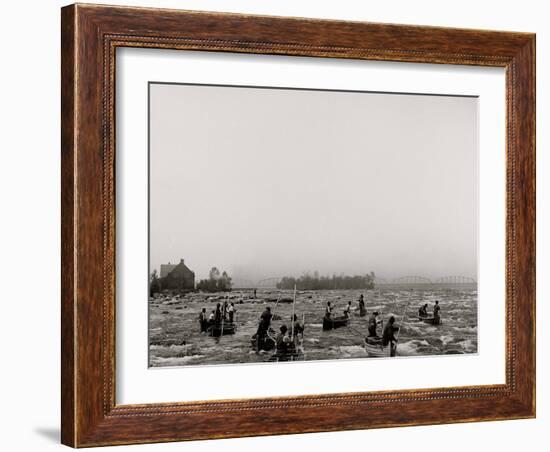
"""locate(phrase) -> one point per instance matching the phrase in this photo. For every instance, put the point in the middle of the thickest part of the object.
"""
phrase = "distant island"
(316, 282)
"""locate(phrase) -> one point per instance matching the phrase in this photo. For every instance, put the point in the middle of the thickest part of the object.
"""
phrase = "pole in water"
(277, 303)
(293, 313)
(402, 318)
(303, 326)
(223, 317)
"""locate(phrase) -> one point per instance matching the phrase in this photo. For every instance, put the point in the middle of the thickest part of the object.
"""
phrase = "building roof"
(166, 268)
(175, 269)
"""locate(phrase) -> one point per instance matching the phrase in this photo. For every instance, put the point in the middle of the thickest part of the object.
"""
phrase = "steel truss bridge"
(412, 281)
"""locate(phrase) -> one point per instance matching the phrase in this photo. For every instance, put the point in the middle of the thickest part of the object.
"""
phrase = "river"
(175, 338)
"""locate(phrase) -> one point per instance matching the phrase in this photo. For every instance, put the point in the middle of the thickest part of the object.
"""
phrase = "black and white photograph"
(299, 224)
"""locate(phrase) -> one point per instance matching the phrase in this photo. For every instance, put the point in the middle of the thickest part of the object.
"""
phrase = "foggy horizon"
(252, 275)
(268, 183)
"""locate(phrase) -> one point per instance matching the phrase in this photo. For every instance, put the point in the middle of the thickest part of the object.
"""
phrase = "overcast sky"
(271, 182)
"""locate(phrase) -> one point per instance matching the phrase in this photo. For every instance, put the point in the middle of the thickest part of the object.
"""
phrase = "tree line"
(315, 282)
(216, 282)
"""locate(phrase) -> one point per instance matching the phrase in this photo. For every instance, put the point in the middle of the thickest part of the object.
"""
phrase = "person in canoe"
(286, 349)
(218, 314)
(437, 308)
(328, 311)
(265, 318)
(361, 304)
(347, 309)
(211, 319)
(231, 311)
(388, 336)
(298, 327)
(203, 321)
(225, 310)
(282, 340)
(263, 327)
(423, 311)
(373, 323)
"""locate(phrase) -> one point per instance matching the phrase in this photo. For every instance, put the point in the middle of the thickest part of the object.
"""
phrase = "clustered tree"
(216, 282)
(154, 283)
(316, 282)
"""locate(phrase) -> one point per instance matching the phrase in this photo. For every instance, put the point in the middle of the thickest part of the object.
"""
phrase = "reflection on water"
(175, 338)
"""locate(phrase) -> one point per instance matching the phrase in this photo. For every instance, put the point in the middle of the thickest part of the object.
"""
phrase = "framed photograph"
(281, 225)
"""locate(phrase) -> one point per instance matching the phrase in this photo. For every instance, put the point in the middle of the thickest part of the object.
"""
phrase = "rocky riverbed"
(175, 338)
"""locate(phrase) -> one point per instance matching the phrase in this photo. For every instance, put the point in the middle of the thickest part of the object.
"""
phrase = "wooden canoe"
(215, 330)
(430, 320)
(286, 300)
(333, 323)
(294, 352)
(375, 349)
(267, 343)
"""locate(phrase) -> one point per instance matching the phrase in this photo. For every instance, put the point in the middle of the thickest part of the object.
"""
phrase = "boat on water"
(374, 345)
(375, 349)
(430, 320)
(221, 329)
(286, 300)
(294, 352)
(267, 343)
(289, 348)
(334, 322)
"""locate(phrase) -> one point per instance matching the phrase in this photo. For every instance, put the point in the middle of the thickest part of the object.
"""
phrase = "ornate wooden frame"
(90, 35)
